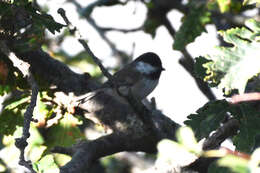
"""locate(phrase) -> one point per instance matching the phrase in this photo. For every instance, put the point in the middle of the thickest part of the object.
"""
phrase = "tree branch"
(54, 72)
(187, 63)
(21, 143)
(85, 45)
(228, 129)
(86, 12)
(88, 152)
(214, 141)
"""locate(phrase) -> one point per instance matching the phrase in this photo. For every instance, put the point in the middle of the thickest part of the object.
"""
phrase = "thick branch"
(229, 129)
(106, 145)
(130, 133)
(56, 73)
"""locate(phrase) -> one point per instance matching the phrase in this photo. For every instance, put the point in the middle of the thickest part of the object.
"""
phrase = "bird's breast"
(143, 88)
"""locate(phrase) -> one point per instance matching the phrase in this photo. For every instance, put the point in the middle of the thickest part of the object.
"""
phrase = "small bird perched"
(141, 76)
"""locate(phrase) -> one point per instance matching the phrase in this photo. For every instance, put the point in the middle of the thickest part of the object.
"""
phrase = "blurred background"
(118, 31)
(177, 94)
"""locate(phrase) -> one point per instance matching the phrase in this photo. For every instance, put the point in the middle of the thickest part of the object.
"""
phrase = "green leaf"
(224, 5)
(236, 164)
(47, 21)
(19, 102)
(33, 151)
(230, 5)
(12, 115)
(199, 70)
(61, 159)
(249, 128)
(193, 25)
(43, 110)
(231, 67)
(207, 118)
(35, 147)
(173, 153)
(185, 137)
(65, 133)
(151, 25)
(9, 120)
(255, 161)
(249, 2)
(4, 89)
(43, 20)
(46, 165)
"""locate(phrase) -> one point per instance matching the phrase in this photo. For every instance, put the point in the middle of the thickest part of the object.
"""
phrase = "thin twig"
(188, 63)
(21, 142)
(106, 29)
(73, 30)
(99, 29)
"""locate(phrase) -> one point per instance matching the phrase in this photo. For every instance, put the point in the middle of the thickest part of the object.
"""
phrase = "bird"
(141, 75)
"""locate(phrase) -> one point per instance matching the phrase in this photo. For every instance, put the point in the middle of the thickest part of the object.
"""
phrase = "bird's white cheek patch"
(145, 68)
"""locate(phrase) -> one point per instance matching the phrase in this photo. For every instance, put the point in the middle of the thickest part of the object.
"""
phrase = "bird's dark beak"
(162, 69)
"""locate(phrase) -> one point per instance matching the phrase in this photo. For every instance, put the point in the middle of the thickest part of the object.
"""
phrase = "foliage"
(153, 20)
(35, 149)
(11, 117)
(46, 165)
(212, 114)
(65, 133)
(187, 148)
(193, 25)
(230, 68)
(208, 118)
(10, 77)
(248, 2)
(249, 127)
(237, 164)
(181, 152)
(226, 6)
(34, 22)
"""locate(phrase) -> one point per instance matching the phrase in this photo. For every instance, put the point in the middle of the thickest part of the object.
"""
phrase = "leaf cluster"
(230, 68)
(26, 24)
(192, 26)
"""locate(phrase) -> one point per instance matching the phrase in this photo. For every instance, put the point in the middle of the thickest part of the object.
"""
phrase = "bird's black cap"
(151, 58)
